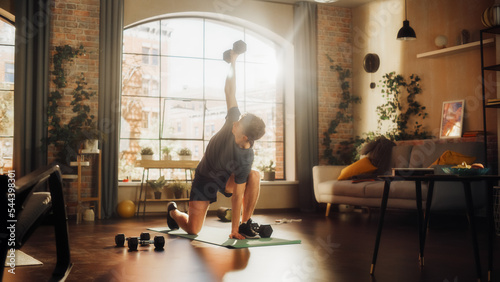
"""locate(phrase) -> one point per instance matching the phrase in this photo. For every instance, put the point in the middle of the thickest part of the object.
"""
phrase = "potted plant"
(157, 186)
(178, 188)
(166, 153)
(90, 136)
(147, 153)
(184, 154)
(269, 171)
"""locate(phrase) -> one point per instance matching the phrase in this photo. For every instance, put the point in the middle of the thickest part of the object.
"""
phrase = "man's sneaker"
(247, 230)
(170, 221)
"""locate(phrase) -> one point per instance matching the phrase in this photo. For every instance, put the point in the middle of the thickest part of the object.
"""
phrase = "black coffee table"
(492, 180)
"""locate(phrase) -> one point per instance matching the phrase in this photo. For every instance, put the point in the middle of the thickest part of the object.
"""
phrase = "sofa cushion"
(400, 157)
(453, 158)
(425, 154)
(360, 167)
(343, 188)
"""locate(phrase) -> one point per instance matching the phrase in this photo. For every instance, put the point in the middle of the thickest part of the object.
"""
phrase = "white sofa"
(446, 196)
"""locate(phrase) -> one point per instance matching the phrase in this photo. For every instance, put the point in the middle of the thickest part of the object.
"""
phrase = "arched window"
(173, 79)
(7, 41)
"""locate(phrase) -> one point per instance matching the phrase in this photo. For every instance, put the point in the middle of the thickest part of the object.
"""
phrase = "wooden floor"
(334, 248)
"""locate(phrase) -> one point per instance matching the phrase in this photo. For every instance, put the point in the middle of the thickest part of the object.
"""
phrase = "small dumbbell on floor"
(239, 47)
(264, 230)
(143, 240)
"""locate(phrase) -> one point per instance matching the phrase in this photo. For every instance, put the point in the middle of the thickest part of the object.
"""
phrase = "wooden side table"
(491, 180)
(188, 166)
(79, 164)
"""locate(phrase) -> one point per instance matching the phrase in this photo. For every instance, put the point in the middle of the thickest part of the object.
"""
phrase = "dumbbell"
(143, 240)
(239, 47)
(224, 214)
(264, 230)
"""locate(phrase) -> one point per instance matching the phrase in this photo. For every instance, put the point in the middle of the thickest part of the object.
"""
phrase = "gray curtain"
(110, 65)
(31, 84)
(306, 100)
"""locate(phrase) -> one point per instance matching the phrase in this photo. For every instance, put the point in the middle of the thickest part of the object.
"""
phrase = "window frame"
(286, 75)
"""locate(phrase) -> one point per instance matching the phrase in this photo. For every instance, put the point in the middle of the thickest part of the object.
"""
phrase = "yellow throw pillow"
(362, 166)
(453, 158)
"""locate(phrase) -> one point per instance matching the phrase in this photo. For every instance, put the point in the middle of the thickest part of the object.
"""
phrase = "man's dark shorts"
(205, 189)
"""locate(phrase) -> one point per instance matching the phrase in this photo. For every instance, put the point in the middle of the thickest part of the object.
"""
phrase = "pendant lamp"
(406, 32)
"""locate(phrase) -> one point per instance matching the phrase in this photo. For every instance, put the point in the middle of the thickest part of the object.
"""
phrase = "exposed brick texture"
(75, 23)
(334, 40)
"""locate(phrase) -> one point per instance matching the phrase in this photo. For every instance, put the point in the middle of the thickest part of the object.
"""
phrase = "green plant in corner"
(343, 152)
(67, 137)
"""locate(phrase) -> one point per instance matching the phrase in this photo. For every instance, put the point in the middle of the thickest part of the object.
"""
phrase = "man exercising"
(226, 167)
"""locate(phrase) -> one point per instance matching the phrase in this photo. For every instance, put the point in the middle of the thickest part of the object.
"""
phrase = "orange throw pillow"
(453, 158)
(362, 166)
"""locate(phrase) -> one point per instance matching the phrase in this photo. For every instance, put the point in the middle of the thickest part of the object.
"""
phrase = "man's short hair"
(253, 127)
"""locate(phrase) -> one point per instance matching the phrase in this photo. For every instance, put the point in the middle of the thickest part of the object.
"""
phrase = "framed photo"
(452, 117)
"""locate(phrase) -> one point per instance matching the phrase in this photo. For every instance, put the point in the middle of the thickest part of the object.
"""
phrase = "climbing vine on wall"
(403, 116)
(341, 152)
(67, 137)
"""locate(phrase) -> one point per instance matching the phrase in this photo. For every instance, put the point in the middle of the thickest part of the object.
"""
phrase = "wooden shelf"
(168, 200)
(69, 176)
(81, 163)
(167, 164)
(457, 49)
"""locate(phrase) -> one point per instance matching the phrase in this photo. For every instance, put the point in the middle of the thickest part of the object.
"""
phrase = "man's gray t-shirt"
(224, 157)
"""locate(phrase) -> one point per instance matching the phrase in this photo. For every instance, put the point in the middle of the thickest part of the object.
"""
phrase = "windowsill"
(262, 183)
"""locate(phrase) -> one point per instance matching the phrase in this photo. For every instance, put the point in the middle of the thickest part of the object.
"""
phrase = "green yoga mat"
(219, 236)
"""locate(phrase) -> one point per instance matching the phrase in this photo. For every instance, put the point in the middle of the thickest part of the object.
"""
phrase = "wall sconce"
(406, 32)
(371, 63)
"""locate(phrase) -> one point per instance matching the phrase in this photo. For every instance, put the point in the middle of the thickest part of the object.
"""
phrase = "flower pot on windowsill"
(146, 157)
(269, 175)
(157, 195)
(185, 157)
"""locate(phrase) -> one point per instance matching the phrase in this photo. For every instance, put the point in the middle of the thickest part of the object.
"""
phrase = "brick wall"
(75, 23)
(335, 40)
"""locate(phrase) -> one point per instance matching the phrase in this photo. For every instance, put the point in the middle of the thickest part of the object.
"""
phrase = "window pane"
(182, 37)
(215, 117)
(196, 148)
(182, 119)
(187, 74)
(6, 152)
(7, 33)
(139, 79)
(220, 37)
(259, 49)
(269, 151)
(140, 118)
(268, 113)
(139, 38)
(6, 113)
(215, 79)
(7, 64)
(261, 83)
(182, 77)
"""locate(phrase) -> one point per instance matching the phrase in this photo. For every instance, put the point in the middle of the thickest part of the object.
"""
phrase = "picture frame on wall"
(452, 116)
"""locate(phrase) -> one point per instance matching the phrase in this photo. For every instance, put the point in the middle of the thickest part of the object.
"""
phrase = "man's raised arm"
(230, 88)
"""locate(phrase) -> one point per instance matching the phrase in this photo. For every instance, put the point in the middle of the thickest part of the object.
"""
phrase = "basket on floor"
(496, 208)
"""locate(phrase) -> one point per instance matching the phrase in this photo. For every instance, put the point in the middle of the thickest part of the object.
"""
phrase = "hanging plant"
(345, 151)
(67, 137)
(404, 118)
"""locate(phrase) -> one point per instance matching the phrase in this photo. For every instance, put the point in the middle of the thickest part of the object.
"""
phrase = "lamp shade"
(406, 32)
